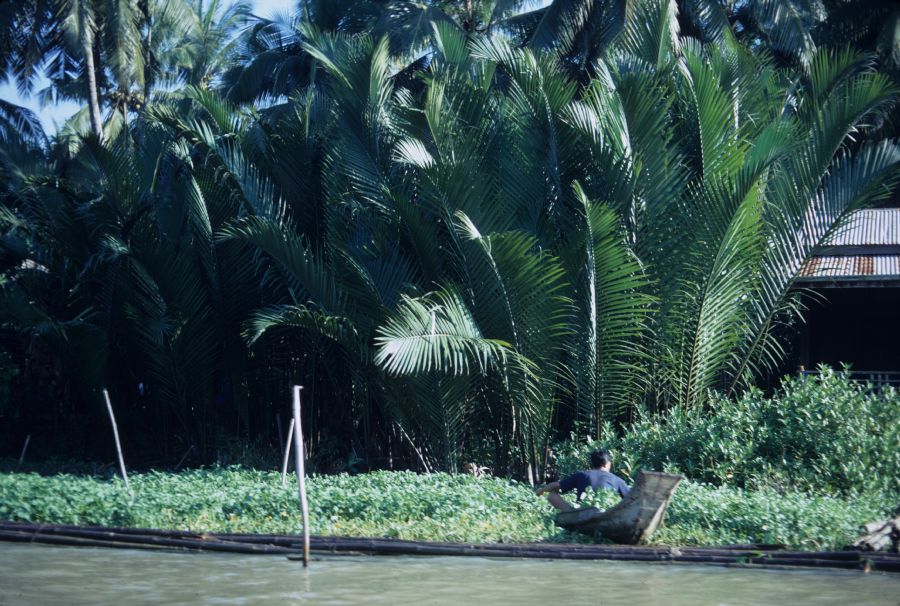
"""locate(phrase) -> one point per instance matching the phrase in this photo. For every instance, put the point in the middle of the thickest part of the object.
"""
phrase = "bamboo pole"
(112, 419)
(24, 448)
(184, 456)
(287, 452)
(301, 480)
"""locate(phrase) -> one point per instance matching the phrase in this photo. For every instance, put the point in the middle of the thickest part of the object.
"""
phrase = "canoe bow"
(634, 518)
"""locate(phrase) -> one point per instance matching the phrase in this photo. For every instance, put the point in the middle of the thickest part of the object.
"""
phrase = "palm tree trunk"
(148, 60)
(93, 96)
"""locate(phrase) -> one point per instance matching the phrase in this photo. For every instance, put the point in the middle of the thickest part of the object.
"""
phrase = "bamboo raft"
(292, 547)
(634, 518)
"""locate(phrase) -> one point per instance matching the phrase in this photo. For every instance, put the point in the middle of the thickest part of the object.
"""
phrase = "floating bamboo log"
(142, 542)
(292, 545)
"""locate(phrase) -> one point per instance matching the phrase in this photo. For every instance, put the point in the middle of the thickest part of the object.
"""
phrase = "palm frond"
(611, 295)
(20, 124)
(788, 25)
(437, 333)
(337, 328)
(652, 33)
(308, 275)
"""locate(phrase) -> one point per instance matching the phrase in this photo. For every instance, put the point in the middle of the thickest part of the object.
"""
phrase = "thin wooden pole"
(112, 419)
(301, 479)
(24, 448)
(287, 452)
(184, 456)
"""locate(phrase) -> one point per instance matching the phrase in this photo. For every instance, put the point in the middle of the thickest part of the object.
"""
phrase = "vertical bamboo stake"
(287, 452)
(24, 448)
(301, 479)
(184, 456)
(112, 418)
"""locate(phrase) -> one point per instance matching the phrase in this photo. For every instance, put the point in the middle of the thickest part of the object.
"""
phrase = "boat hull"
(634, 519)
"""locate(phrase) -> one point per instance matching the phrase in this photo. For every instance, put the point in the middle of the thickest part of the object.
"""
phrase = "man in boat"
(598, 477)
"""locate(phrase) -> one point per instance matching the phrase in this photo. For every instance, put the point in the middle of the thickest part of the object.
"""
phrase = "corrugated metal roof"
(871, 227)
(853, 267)
(866, 249)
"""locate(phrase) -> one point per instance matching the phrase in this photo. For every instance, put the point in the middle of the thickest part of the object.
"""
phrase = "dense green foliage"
(412, 506)
(805, 468)
(393, 504)
(706, 515)
(824, 434)
(465, 230)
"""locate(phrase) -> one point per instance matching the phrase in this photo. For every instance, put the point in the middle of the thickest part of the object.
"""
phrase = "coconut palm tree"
(467, 262)
(114, 53)
(200, 50)
(58, 37)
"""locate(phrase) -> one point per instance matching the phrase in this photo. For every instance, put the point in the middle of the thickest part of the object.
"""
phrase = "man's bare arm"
(551, 487)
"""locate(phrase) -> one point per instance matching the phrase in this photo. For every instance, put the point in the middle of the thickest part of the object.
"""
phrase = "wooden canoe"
(634, 518)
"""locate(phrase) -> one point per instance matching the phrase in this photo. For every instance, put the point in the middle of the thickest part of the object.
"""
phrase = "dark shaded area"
(70, 430)
(854, 326)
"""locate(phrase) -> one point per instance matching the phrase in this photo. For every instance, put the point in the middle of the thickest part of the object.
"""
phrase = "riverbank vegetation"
(469, 230)
(755, 474)
(822, 434)
(439, 507)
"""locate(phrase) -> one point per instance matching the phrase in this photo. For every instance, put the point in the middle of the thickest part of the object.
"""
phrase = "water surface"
(39, 574)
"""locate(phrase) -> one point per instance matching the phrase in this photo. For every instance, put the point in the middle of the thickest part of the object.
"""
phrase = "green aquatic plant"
(437, 507)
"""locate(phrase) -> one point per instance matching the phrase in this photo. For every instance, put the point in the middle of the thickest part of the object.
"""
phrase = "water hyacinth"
(436, 507)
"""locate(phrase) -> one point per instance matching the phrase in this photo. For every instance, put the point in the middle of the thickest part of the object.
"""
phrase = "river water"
(38, 574)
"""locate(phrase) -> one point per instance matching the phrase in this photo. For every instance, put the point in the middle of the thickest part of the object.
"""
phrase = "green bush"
(700, 514)
(823, 434)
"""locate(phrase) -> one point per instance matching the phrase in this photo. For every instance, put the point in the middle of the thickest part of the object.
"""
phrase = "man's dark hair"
(599, 458)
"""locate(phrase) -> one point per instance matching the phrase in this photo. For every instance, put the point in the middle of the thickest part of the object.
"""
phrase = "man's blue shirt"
(594, 478)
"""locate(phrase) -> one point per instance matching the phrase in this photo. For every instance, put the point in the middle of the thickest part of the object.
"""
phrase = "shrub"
(823, 434)
(700, 514)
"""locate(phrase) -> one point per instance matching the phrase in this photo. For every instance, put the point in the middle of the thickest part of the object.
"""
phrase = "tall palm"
(114, 53)
(205, 49)
(128, 231)
(274, 61)
(509, 258)
(751, 190)
(468, 254)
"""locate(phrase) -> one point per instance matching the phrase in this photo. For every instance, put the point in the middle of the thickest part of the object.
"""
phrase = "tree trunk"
(93, 96)
(148, 60)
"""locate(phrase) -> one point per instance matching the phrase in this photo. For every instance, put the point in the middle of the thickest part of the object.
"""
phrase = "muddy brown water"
(39, 574)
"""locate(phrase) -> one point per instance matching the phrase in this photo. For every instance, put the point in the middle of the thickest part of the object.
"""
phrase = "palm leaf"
(437, 333)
